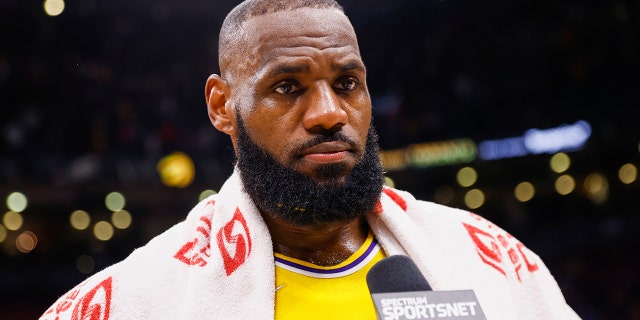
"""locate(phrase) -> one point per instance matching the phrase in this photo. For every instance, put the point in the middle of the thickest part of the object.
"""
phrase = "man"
(304, 216)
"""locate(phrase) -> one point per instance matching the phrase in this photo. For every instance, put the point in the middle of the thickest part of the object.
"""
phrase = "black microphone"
(396, 274)
(400, 291)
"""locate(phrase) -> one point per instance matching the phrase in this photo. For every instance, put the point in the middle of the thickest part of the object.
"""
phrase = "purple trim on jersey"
(331, 271)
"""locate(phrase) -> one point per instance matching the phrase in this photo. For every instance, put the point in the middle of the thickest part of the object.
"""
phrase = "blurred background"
(526, 112)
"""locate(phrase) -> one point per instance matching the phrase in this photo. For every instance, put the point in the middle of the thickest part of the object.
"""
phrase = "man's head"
(292, 96)
(232, 38)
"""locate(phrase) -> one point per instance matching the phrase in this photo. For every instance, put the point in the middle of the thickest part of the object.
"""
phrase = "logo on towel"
(94, 305)
(234, 242)
(396, 198)
(197, 251)
(499, 249)
(377, 209)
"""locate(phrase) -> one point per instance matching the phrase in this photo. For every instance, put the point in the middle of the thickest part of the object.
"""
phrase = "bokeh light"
(115, 201)
(628, 173)
(85, 264)
(53, 7)
(103, 231)
(205, 194)
(560, 162)
(26, 241)
(597, 187)
(176, 170)
(12, 220)
(524, 191)
(389, 182)
(474, 198)
(467, 176)
(17, 201)
(3, 233)
(80, 219)
(565, 184)
(121, 219)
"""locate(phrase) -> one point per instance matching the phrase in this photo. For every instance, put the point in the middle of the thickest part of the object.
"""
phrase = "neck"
(325, 245)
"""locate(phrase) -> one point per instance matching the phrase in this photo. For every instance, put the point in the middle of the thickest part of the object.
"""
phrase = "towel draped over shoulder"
(219, 264)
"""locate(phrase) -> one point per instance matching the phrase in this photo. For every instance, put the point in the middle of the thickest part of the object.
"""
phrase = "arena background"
(105, 140)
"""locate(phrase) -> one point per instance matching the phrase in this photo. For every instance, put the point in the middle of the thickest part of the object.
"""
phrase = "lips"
(327, 151)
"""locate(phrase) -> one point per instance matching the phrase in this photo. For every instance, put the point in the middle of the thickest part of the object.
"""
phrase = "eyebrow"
(289, 68)
(350, 65)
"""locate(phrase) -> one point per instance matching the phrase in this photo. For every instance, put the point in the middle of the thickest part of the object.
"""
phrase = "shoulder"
(426, 210)
(487, 257)
(158, 260)
(473, 237)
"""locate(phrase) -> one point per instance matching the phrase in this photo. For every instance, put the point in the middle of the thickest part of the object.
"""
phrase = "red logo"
(197, 251)
(234, 242)
(396, 198)
(95, 305)
(531, 266)
(67, 301)
(492, 243)
(486, 246)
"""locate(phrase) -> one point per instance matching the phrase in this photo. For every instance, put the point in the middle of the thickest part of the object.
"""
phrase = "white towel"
(219, 264)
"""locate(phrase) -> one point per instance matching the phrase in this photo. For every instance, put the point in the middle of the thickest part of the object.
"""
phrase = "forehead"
(302, 32)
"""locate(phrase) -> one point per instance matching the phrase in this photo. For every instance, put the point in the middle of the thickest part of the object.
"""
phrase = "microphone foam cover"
(396, 273)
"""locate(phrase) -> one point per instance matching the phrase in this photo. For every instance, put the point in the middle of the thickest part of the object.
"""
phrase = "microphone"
(399, 291)
(396, 274)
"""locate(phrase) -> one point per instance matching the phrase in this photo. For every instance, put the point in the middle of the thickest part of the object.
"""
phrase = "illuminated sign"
(564, 138)
(535, 141)
(430, 154)
(567, 137)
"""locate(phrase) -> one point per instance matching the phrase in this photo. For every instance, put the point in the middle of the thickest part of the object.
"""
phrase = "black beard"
(296, 198)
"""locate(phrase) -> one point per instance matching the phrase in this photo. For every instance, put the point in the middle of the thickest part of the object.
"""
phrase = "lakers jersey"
(308, 291)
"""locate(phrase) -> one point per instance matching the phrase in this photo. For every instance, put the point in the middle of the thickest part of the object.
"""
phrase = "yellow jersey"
(308, 291)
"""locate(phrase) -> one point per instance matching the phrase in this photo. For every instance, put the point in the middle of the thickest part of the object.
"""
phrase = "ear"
(217, 94)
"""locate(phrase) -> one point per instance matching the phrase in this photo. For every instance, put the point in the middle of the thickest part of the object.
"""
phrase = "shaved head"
(232, 46)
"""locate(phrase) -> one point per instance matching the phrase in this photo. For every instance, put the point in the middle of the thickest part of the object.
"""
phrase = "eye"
(286, 88)
(347, 84)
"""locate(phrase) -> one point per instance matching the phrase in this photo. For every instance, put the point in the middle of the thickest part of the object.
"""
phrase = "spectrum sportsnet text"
(459, 304)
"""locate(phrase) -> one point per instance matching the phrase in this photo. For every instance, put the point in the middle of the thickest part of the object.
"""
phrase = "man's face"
(304, 78)
(305, 148)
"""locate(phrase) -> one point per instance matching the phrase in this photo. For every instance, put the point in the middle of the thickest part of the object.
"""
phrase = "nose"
(324, 109)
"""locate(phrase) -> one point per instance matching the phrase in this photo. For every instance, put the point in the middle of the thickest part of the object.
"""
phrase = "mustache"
(332, 137)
